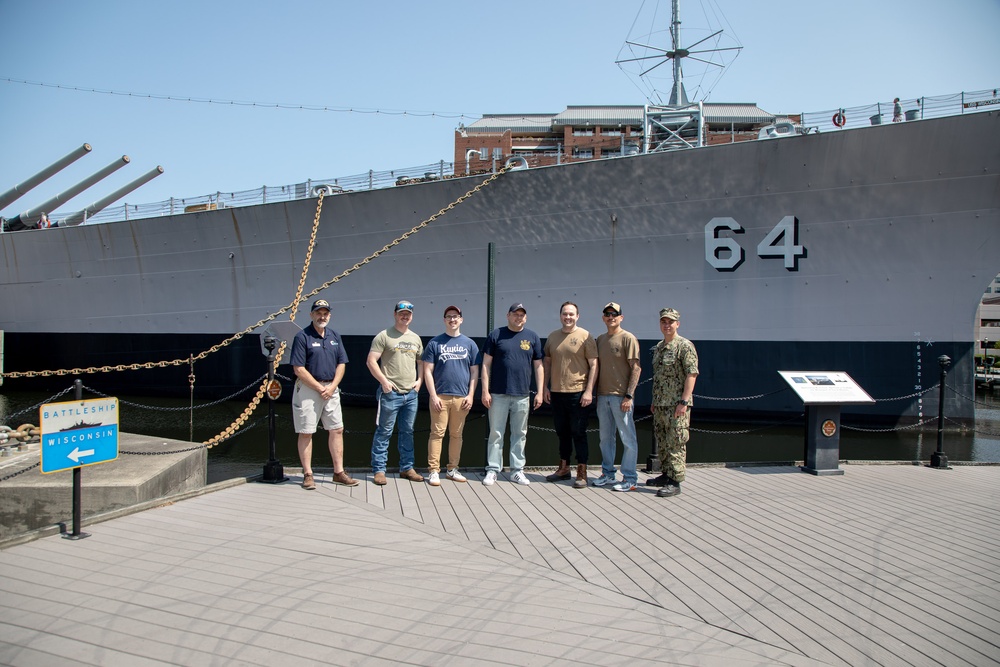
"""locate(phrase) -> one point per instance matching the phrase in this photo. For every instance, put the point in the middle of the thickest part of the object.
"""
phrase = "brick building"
(592, 132)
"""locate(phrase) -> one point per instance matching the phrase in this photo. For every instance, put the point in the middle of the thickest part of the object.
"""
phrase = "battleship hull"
(864, 250)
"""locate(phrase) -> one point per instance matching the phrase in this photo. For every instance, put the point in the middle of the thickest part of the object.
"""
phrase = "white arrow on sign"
(75, 455)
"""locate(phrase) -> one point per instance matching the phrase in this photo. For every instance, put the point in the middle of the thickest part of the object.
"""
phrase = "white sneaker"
(455, 476)
(490, 478)
(520, 478)
(435, 479)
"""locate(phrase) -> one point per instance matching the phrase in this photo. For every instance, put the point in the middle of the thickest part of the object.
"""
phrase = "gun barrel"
(101, 204)
(29, 218)
(19, 190)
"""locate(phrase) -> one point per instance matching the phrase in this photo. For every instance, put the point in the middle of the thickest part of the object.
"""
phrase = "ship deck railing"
(913, 109)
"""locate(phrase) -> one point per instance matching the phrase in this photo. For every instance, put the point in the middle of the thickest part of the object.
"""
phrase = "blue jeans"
(390, 407)
(504, 406)
(611, 417)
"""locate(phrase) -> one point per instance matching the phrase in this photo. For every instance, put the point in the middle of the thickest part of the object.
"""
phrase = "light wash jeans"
(611, 418)
(390, 407)
(504, 406)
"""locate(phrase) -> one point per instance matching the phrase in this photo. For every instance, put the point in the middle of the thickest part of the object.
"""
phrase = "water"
(246, 453)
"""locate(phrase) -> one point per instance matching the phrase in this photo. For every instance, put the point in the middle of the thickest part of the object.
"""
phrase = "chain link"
(19, 472)
(35, 407)
(763, 427)
(738, 398)
(888, 430)
(184, 408)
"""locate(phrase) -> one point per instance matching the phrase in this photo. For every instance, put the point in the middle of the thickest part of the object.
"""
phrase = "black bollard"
(938, 458)
(274, 472)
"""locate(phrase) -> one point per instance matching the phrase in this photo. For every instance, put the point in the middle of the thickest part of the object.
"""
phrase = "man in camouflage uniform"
(675, 370)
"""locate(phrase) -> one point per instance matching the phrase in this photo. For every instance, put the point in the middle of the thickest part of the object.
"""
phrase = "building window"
(585, 153)
(608, 152)
(497, 153)
(608, 132)
(583, 132)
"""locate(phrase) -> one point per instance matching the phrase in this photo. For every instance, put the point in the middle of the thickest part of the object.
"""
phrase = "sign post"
(76, 434)
(823, 392)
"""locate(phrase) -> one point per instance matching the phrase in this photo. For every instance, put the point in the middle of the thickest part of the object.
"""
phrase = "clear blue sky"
(445, 57)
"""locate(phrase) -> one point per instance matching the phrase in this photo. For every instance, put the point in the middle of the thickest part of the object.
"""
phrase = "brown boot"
(561, 473)
(581, 477)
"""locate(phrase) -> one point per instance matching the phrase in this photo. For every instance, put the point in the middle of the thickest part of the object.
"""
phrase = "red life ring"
(839, 119)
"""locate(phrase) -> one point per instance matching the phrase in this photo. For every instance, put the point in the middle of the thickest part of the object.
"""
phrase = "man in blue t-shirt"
(511, 355)
(319, 361)
(451, 371)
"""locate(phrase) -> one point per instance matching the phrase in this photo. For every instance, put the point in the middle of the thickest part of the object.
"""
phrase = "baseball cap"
(613, 306)
(670, 313)
(517, 306)
(455, 308)
(320, 303)
(403, 305)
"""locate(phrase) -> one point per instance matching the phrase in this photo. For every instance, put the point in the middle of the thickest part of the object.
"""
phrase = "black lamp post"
(273, 470)
(938, 458)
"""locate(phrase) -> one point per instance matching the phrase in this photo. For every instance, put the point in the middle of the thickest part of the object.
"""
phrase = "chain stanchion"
(191, 378)
(274, 473)
(939, 459)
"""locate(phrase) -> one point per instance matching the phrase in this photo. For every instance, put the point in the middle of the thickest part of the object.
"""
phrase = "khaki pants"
(451, 419)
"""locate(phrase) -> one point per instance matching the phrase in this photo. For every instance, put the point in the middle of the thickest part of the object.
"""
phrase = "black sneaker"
(663, 479)
(672, 489)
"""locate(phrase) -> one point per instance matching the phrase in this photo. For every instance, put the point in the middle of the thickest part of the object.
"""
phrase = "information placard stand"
(823, 392)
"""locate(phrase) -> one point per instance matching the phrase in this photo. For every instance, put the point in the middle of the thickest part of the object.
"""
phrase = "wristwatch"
(683, 402)
(628, 396)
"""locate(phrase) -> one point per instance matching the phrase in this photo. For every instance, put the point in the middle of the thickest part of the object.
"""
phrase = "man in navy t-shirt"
(511, 355)
(451, 371)
(319, 361)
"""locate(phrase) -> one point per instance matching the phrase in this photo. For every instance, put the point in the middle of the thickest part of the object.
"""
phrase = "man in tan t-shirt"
(570, 372)
(394, 360)
(618, 359)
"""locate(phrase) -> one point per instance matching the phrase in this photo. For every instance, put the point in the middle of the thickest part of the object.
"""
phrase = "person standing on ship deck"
(319, 360)
(618, 361)
(506, 388)
(451, 371)
(570, 371)
(675, 370)
(394, 360)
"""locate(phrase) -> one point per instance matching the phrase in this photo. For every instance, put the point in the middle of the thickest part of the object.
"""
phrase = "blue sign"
(78, 433)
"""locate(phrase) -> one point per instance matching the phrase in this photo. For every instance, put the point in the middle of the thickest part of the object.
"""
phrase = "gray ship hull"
(863, 250)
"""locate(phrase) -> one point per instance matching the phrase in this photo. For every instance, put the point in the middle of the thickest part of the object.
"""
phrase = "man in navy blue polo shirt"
(319, 361)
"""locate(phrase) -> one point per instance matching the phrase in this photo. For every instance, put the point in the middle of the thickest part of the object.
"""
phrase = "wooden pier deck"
(884, 565)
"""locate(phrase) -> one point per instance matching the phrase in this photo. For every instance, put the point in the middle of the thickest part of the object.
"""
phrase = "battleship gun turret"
(101, 204)
(21, 189)
(29, 219)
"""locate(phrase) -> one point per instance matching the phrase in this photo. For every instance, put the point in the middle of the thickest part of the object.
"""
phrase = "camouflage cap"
(670, 313)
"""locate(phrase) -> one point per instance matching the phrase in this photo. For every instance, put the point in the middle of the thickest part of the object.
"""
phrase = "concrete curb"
(63, 527)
